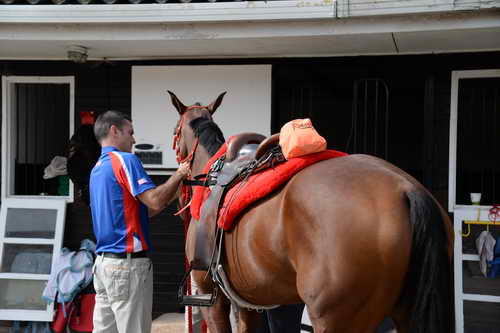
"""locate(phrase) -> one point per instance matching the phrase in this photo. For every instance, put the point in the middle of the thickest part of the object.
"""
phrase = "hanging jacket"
(485, 245)
(71, 273)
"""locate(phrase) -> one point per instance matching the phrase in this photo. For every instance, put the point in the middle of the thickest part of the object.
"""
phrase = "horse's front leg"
(217, 315)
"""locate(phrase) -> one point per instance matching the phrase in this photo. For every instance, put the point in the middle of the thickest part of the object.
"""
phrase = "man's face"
(125, 137)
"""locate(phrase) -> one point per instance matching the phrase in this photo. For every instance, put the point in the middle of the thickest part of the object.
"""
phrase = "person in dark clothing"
(283, 319)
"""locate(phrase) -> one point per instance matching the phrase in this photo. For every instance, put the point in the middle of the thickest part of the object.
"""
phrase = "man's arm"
(159, 197)
(152, 212)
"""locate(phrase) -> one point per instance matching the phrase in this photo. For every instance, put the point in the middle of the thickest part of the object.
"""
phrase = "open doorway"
(38, 121)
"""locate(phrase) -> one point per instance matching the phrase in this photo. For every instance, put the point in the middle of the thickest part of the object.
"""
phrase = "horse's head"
(195, 126)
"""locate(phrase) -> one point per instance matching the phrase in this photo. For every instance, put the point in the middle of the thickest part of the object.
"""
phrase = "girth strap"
(204, 182)
(199, 180)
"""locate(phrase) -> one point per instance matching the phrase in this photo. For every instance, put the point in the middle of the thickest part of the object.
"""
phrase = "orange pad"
(298, 138)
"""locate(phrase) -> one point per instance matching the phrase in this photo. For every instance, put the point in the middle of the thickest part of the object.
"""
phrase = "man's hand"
(184, 170)
(158, 198)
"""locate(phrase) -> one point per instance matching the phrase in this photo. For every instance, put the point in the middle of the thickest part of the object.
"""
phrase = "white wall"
(245, 108)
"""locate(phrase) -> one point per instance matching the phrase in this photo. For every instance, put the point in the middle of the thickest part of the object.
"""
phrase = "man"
(120, 194)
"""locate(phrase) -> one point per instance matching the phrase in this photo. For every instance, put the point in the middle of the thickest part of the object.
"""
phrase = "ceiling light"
(77, 53)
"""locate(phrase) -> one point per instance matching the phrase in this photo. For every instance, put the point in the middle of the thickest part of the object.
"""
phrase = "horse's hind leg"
(344, 318)
(345, 302)
(248, 321)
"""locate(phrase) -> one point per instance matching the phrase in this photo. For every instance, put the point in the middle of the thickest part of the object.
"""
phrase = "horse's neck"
(199, 162)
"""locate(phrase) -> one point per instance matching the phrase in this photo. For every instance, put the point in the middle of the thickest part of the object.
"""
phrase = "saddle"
(246, 154)
(244, 174)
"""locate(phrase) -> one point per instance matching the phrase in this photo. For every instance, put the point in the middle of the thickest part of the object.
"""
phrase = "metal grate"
(478, 160)
(41, 133)
(370, 118)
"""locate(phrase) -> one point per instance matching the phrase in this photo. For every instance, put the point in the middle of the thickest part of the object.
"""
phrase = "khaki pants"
(124, 295)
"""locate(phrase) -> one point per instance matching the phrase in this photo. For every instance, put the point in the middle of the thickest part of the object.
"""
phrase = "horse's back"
(358, 192)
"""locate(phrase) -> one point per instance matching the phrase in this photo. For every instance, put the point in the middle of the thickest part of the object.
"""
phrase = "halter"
(189, 158)
(177, 138)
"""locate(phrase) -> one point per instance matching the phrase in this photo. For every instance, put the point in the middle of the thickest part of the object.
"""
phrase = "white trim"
(23, 276)
(470, 257)
(170, 13)
(391, 7)
(481, 298)
(7, 141)
(56, 242)
(5, 133)
(455, 77)
(41, 241)
(34, 315)
(231, 11)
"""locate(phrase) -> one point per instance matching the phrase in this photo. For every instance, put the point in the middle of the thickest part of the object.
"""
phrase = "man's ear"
(113, 130)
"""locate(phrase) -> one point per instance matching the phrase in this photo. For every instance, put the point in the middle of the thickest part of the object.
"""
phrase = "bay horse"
(354, 238)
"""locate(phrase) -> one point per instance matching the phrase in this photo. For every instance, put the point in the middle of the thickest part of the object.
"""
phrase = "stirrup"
(194, 300)
(198, 300)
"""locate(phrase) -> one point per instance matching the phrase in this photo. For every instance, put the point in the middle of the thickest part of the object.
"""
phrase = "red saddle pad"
(256, 187)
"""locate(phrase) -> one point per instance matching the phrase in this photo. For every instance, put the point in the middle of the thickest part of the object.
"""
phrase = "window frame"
(456, 76)
(8, 84)
(56, 243)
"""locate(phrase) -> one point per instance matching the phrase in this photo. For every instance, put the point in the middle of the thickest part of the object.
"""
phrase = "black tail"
(429, 289)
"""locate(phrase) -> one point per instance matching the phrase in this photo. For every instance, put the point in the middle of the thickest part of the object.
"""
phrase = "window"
(38, 123)
(31, 234)
(474, 137)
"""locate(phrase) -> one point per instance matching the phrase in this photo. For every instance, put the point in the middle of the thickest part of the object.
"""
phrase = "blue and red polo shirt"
(120, 219)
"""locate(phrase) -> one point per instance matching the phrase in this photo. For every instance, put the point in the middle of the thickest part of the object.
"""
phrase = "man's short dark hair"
(106, 120)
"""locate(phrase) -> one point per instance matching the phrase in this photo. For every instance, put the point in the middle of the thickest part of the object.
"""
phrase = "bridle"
(189, 158)
(177, 137)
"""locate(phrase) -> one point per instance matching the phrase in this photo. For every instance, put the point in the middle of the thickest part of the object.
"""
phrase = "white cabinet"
(462, 214)
(31, 232)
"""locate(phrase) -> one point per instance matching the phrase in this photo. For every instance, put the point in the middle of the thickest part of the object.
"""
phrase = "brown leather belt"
(141, 254)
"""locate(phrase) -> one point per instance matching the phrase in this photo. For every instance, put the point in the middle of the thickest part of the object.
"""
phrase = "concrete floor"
(169, 323)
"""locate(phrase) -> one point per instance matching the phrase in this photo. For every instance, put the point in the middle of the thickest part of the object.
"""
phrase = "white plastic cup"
(475, 198)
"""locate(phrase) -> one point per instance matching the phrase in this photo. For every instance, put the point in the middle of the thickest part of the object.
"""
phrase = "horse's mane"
(209, 134)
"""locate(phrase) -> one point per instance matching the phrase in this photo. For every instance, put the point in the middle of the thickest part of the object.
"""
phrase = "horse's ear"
(215, 104)
(181, 108)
